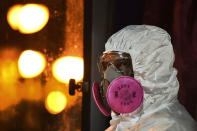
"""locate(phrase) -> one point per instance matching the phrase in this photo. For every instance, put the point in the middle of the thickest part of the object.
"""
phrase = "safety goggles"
(120, 60)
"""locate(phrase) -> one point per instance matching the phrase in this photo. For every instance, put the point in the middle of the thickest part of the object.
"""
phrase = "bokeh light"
(28, 18)
(13, 16)
(8, 78)
(8, 71)
(31, 63)
(55, 102)
(33, 18)
(66, 68)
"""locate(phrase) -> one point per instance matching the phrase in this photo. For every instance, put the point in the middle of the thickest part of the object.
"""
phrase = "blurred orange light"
(8, 71)
(66, 68)
(29, 18)
(55, 102)
(13, 16)
(33, 18)
(31, 63)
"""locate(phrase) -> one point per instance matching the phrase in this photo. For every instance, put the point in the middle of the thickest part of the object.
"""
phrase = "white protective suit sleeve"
(152, 58)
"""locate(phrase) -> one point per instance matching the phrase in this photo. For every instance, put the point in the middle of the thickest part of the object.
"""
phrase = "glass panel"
(41, 49)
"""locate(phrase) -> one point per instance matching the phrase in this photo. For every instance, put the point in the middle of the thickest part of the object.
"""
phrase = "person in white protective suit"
(150, 77)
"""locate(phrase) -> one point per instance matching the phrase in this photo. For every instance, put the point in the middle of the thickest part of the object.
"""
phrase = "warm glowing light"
(8, 71)
(55, 102)
(31, 63)
(33, 18)
(29, 18)
(13, 16)
(66, 68)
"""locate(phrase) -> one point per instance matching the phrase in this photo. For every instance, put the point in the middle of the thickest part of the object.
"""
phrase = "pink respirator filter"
(124, 94)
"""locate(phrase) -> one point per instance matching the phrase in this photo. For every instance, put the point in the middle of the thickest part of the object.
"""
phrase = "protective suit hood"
(152, 58)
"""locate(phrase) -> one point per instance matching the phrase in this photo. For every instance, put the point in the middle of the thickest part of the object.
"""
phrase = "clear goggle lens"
(120, 60)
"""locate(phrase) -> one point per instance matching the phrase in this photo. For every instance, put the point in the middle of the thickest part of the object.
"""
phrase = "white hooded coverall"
(152, 58)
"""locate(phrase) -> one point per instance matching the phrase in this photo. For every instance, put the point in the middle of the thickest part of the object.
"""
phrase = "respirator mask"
(118, 90)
